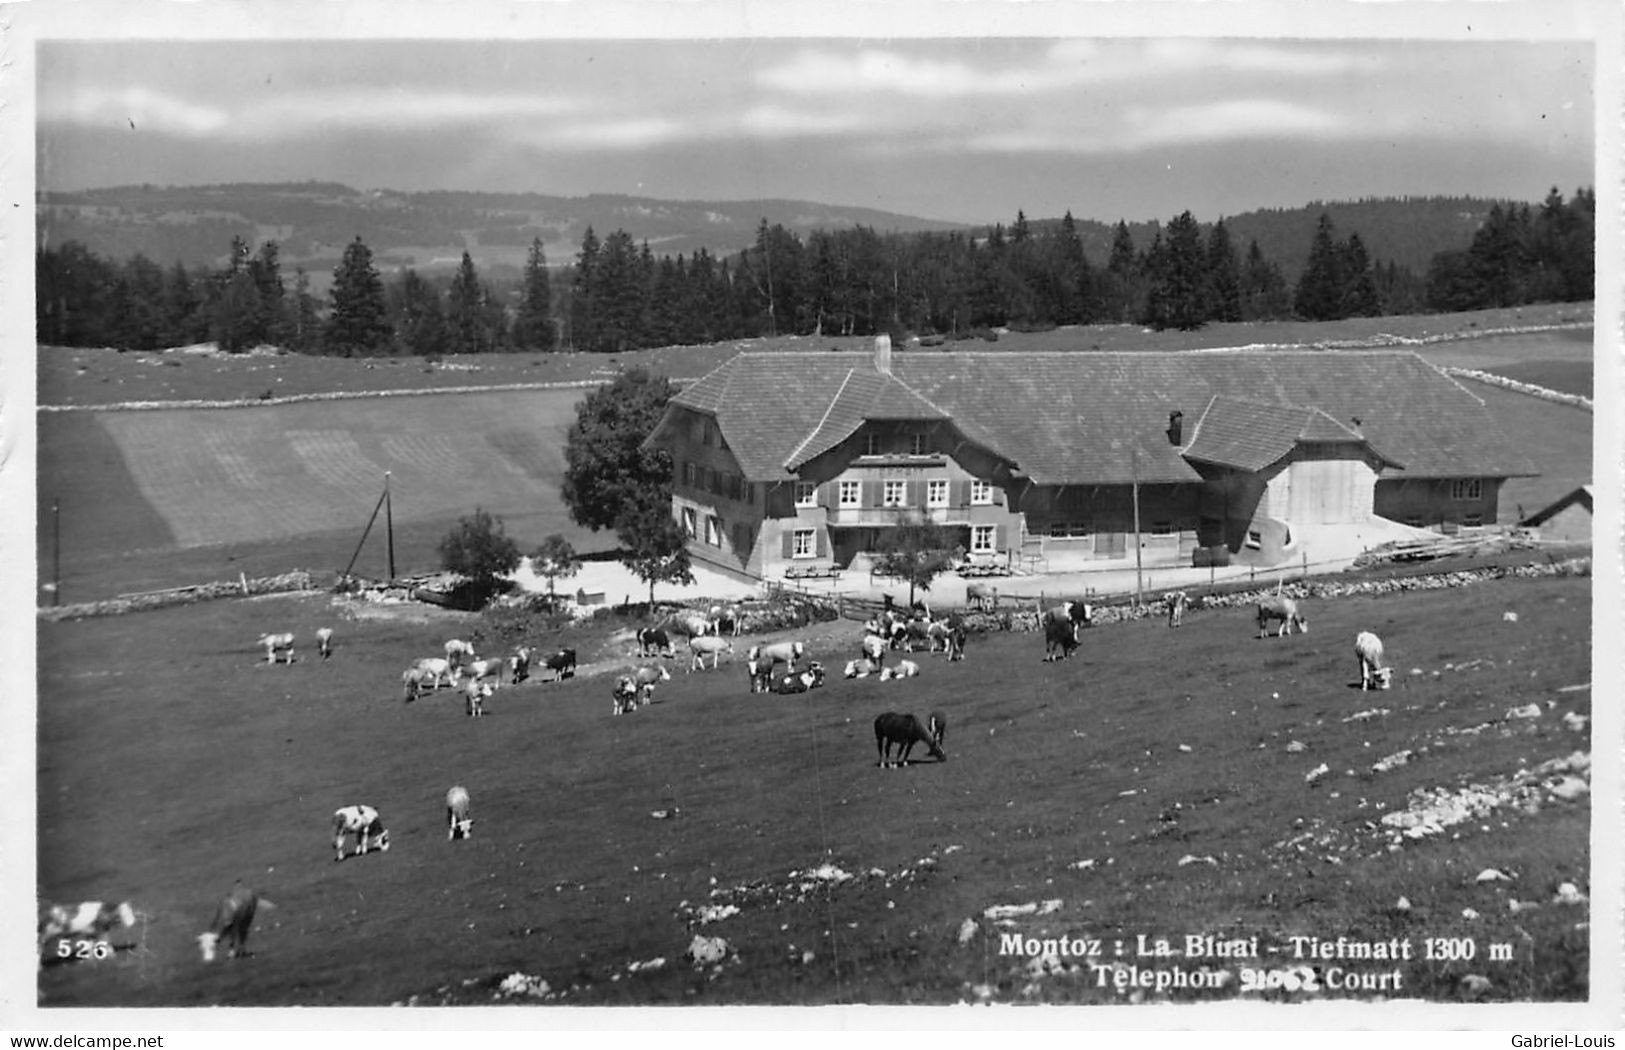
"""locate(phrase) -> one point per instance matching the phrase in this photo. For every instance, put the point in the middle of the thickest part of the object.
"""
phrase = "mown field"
(1158, 785)
(150, 500)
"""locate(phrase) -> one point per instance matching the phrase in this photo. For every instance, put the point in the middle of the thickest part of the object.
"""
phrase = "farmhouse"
(1567, 519)
(796, 461)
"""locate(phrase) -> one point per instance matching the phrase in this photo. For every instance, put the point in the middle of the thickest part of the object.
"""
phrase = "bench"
(813, 572)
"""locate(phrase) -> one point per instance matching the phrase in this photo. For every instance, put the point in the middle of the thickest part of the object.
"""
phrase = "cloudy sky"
(1138, 125)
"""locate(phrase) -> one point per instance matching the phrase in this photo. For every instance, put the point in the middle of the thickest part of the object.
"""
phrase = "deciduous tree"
(607, 471)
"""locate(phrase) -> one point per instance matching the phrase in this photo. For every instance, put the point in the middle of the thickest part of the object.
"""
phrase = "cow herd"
(359, 829)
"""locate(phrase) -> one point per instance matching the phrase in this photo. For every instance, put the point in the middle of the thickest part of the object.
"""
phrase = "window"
(918, 444)
(851, 493)
(1255, 539)
(871, 444)
(981, 493)
(1162, 528)
(806, 494)
(750, 492)
(688, 474)
(1472, 520)
(895, 494)
(713, 530)
(936, 492)
(1466, 489)
(690, 526)
(983, 539)
(803, 547)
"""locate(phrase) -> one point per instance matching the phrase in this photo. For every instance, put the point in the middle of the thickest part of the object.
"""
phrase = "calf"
(519, 665)
(459, 825)
(324, 641)
(653, 641)
(277, 644)
(1280, 607)
(232, 920)
(475, 693)
(903, 731)
(626, 695)
(703, 647)
(1368, 650)
(89, 921)
(561, 663)
(361, 823)
(1177, 601)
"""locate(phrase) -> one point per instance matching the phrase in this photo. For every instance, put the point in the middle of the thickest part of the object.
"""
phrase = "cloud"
(146, 108)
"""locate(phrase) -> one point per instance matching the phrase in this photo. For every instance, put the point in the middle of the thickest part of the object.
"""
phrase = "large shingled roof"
(1251, 435)
(1097, 418)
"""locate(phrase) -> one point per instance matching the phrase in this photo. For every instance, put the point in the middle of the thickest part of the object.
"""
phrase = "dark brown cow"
(903, 731)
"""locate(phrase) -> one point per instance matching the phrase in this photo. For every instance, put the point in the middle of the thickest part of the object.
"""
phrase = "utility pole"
(389, 527)
(1134, 459)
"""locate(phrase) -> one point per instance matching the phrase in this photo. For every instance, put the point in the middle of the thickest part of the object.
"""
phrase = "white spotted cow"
(458, 652)
(277, 645)
(561, 663)
(475, 693)
(702, 647)
(956, 641)
(1178, 602)
(87, 921)
(362, 825)
(693, 624)
(761, 675)
(439, 671)
(519, 665)
(860, 668)
(983, 596)
(645, 678)
(1280, 607)
(324, 641)
(873, 647)
(785, 652)
(485, 670)
(904, 669)
(459, 825)
(1368, 650)
(233, 918)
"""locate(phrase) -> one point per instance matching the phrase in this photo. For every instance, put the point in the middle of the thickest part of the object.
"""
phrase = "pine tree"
(533, 327)
(1320, 290)
(305, 326)
(420, 326)
(1360, 297)
(356, 322)
(1263, 289)
(584, 290)
(1177, 297)
(182, 303)
(465, 325)
(1223, 288)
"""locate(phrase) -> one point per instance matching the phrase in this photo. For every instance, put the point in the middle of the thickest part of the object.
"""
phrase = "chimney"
(883, 353)
(1176, 427)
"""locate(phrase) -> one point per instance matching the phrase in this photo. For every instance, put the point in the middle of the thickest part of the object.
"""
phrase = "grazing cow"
(702, 647)
(437, 668)
(275, 644)
(481, 670)
(519, 665)
(1177, 601)
(459, 825)
(761, 675)
(936, 724)
(904, 669)
(361, 823)
(646, 677)
(413, 678)
(626, 695)
(324, 641)
(653, 641)
(1280, 607)
(693, 624)
(475, 693)
(982, 595)
(956, 642)
(788, 652)
(860, 668)
(1368, 650)
(561, 663)
(730, 618)
(232, 920)
(904, 731)
(87, 921)
(457, 651)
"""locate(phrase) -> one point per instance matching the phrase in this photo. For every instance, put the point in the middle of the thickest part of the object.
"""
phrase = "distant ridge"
(313, 221)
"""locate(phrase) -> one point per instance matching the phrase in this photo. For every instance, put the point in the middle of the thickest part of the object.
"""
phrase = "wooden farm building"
(1567, 519)
(802, 460)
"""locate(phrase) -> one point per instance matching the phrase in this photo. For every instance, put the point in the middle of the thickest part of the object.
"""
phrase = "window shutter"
(826, 494)
(998, 496)
(789, 543)
(958, 493)
(820, 543)
(999, 543)
(871, 493)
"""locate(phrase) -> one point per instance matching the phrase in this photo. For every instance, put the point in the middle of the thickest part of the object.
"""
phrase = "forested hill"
(1407, 231)
(313, 221)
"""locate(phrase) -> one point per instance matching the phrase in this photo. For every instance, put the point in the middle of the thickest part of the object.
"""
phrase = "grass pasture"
(1144, 797)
